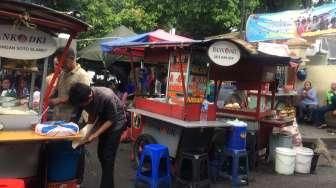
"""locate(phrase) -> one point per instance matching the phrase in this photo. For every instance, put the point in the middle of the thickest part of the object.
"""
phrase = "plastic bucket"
(303, 160)
(284, 160)
(285, 141)
(237, 135)
(278, 140)
(62, 161)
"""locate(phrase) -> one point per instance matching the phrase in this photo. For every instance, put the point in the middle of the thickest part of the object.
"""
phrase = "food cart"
(27, 32)
(174, 120)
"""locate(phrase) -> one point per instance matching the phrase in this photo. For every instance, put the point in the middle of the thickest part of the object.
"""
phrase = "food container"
(18, 121)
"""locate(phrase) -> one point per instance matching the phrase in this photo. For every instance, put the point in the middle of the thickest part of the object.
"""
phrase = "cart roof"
(44, 18)
(136, 45)
(157, 38)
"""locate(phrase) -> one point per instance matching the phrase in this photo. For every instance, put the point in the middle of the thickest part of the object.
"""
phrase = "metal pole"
(171, 60)
(31, 92)
(43, 86)
(57, 72)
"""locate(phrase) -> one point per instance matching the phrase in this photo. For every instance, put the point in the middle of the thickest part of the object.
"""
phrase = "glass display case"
(19, 98)
(235, 99)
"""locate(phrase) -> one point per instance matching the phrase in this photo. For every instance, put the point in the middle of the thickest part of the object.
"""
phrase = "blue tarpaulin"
(156, 36)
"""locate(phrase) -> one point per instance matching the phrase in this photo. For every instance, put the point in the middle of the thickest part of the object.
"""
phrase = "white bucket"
(303, 160)
(284, 160)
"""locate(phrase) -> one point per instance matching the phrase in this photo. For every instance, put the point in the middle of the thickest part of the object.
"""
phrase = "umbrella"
(93, 52)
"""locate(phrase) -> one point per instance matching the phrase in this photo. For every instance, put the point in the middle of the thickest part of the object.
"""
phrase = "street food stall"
(177, 119)
(27, 35)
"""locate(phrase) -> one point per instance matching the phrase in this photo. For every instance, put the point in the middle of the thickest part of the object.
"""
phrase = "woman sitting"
(307, 102)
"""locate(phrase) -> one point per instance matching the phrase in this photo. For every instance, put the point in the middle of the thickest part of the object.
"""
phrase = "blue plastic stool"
(234, 173)
(159, 156)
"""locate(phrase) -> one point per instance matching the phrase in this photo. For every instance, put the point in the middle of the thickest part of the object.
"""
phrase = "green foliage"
(194, 18)
(198, 18)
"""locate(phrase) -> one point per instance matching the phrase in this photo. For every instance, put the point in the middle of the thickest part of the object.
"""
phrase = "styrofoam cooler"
(303, 160)
(19, 121)
(237, 135)
(19, 160)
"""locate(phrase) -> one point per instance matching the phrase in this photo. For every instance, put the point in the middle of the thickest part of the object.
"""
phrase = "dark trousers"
(107, 149)
(318, 114)
(305, 111)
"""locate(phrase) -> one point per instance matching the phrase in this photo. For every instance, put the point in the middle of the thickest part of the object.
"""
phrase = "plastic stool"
(235, 172)
(193, 170)
(158, 156)
(12, 183)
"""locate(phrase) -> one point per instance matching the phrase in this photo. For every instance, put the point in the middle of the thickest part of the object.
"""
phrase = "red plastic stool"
(12, 183)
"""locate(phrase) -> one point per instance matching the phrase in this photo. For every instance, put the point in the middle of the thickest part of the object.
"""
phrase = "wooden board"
(30, 135)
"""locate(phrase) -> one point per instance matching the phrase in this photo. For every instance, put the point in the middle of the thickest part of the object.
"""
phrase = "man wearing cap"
(71, 74)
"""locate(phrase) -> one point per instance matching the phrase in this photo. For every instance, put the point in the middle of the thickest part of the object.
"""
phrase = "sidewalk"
(263, 177)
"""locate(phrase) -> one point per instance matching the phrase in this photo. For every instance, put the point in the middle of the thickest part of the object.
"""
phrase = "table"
(30, 135)
(178, 122)
(279, 123)
(176, 134)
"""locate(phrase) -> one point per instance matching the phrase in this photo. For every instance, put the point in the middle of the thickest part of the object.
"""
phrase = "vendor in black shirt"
(106, 109)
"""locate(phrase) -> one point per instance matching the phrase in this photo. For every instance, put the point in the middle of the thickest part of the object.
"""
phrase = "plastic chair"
(236, 172)
(159, 173)
(193, 170)
(12, 183)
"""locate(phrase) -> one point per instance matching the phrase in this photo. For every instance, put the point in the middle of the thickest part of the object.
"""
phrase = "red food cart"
(174, 120)
(27, 33)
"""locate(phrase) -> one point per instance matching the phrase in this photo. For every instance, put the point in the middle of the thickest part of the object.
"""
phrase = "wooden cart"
(175, 120)
(27, 32)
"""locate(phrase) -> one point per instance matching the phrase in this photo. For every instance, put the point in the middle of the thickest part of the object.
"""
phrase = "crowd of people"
(16, 87)
(315, 23)
(309, 108)
(11, 87)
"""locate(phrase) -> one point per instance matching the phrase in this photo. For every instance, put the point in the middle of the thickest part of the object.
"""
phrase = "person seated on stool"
(331, 106)
(308, 101)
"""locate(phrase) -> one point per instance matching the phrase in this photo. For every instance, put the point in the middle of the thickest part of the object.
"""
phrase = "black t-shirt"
(106, 106)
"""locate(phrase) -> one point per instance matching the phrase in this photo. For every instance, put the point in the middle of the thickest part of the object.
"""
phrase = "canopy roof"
(146, 45)
(44, 18)
(93, 52)
(155, 37)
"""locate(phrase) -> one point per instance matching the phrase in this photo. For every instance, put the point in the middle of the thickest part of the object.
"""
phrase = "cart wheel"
(139, 145)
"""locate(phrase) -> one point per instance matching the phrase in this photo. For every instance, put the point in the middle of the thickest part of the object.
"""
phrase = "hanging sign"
(224, 53)
(25, 43)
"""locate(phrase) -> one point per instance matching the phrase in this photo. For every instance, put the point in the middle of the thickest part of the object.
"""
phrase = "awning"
(46, 19)
(93, 52)
(138, 42)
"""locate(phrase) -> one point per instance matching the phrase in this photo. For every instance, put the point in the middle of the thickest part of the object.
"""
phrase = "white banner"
(274, 49)
(25, 43)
